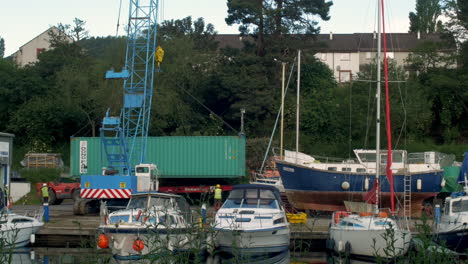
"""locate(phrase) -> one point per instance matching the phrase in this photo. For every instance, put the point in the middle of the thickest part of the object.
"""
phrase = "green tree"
(2, 47)
(264, 18)
(425, 19)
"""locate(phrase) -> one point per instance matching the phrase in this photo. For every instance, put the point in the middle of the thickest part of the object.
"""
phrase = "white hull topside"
(260, 241)
(362, 241)
(155, 241)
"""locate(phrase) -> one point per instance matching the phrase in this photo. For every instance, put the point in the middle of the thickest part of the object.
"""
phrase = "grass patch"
(29, 199)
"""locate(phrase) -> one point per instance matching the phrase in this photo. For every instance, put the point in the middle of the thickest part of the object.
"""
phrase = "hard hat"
(44, 184)
(218, 186)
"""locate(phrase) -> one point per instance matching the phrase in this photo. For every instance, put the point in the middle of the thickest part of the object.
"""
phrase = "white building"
(345, 54)
(29, 52)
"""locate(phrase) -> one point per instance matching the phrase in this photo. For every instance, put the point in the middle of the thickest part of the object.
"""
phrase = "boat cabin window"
(360, 170)
(21, 220)
(251, 198)
(332, 169)
(367, 157)
(345, 169)
(142, 169)
(138, 202)
(397, 157)
(460, 206)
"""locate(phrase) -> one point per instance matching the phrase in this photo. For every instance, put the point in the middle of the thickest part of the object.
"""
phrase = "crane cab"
(147, 177)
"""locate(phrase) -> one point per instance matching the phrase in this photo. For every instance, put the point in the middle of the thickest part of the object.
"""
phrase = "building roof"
(2, 134)
(355, 42)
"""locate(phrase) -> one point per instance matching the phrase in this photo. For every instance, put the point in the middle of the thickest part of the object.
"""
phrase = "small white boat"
(18, 230)
(152, 224)
(451, 229)
(252, 220)
(367, 235)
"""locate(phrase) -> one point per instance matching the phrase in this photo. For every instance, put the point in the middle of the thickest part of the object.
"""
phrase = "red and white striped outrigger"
(106, 193)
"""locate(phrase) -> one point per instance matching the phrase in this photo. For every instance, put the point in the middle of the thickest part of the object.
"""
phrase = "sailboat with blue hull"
(313, 185)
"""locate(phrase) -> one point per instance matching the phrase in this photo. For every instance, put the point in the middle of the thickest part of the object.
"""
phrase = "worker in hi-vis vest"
(45, 193)
(217, 197)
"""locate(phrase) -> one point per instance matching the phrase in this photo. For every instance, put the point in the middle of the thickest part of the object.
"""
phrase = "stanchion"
(46, 211)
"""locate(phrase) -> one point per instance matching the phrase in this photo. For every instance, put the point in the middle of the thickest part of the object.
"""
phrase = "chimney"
(375, 34)
(419, 35)
(331, 35)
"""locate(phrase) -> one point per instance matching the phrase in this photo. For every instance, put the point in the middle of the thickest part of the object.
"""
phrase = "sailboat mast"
(377, 119)
(387, 115)
(298, 101)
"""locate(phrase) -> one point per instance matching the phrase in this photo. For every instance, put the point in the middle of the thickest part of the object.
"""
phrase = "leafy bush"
(40, 175)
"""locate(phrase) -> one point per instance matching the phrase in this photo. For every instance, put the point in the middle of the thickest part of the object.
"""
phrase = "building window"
(345, 57)
(39, 51)
(368, 55)
(345, 76)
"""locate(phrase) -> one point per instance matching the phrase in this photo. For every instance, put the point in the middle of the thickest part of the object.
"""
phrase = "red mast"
(387, 114)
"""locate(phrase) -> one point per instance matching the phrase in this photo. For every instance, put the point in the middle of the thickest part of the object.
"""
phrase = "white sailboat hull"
(361, 242)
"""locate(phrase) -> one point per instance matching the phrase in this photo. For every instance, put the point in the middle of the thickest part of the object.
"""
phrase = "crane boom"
(124, 137)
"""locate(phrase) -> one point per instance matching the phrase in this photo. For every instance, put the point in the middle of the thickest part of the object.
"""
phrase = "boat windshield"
(251, 198)
(138, 202)
(460, 206)
(164, 202)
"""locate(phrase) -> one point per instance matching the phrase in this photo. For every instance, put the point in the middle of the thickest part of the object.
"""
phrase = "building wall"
(343, 64)
(19, 189)
(6, 159)
(29, 52)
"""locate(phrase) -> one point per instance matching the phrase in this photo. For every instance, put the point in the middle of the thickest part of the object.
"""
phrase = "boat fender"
(138, 245)
(340, 214)
(340, 246)
(345, 185)
(366, 184)
(103, 241)
(442, 184)
(32, 255)
(32, 238)
(419, 184)
(347, 248)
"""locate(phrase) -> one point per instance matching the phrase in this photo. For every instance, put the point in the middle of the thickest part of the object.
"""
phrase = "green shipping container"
(176, 157)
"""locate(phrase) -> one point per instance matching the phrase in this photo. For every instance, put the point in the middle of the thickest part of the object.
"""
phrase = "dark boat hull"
(313, 189)
(455, 240)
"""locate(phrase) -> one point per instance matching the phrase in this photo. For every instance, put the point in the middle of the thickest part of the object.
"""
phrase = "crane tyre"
(76, 207)
(52, 197)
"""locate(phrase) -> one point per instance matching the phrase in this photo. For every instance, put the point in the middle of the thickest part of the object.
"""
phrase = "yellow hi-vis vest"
(159, 56)
(45, 191)
(218, 193)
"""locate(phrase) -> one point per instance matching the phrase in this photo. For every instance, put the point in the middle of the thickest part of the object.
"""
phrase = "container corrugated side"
(176, 157)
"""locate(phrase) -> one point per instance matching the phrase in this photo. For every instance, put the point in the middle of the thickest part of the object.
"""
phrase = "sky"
(21, 21)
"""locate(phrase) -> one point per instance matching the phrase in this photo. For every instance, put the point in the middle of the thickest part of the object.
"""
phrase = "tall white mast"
(377, 129)
(298, 101)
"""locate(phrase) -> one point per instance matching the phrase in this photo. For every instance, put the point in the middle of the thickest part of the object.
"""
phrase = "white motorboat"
(18, 230)
(252, 220)
(367, 235)
(152, 224)
(451, 229)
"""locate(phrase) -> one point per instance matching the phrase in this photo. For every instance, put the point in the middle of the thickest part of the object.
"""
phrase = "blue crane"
(124, 137)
